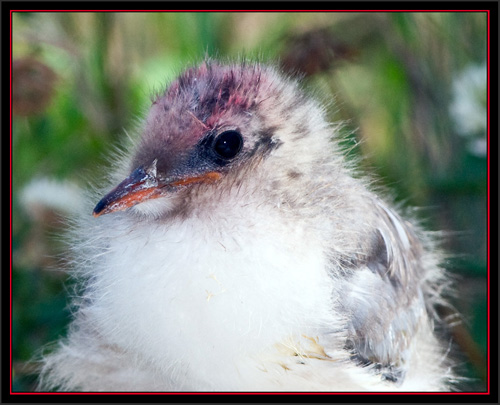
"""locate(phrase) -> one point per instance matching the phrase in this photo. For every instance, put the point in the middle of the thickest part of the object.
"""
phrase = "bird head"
(209, 122)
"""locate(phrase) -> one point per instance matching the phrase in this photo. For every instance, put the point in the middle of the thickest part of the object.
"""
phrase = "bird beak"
(142, 185)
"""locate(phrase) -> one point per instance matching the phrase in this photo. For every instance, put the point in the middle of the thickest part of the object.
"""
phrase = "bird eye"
(228, 144)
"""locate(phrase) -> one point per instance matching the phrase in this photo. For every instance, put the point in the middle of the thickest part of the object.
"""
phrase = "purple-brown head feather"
(183, 124)
(207, 98)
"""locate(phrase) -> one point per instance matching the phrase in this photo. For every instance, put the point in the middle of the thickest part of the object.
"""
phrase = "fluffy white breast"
(201, 296)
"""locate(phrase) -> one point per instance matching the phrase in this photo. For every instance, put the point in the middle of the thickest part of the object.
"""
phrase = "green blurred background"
(410, 87)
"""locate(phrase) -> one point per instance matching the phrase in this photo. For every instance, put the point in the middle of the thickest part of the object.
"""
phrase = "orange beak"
(143, 185)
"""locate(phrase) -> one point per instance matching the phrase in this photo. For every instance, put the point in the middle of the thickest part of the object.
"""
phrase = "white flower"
(50, 194)
(468, 107)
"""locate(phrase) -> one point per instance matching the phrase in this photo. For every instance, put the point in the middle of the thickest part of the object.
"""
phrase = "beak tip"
(99, 209)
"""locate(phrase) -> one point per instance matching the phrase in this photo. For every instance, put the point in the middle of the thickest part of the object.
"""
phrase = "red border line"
(251, 11)
(488, 264)
(263, 393)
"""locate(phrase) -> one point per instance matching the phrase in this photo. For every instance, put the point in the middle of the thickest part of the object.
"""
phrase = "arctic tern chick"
(238, 252)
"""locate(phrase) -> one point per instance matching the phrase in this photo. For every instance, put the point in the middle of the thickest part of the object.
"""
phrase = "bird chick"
(238, 252)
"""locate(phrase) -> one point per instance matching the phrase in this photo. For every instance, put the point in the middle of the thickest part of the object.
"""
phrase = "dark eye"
(228, 144)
